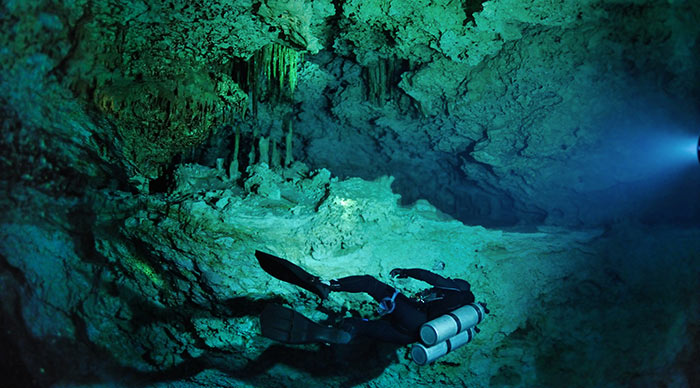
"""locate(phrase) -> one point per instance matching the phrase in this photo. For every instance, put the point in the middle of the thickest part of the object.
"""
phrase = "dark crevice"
(466, 155)
(14, 337)
(165, 181)
(74, 35)
(470, 8)
(15, 272)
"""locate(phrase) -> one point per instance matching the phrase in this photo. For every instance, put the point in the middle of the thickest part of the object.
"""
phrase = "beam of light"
(668, 152)
(645, 167)
(688, 148)
(647, 153)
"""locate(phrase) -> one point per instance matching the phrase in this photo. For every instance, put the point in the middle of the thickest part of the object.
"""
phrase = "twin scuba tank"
(447, 332)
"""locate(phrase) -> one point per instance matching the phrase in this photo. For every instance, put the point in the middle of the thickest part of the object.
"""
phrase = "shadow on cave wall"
(345, 365)
(30, 362)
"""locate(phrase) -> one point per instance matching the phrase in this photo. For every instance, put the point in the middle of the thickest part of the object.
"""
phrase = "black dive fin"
(290, 327)
(291, 273)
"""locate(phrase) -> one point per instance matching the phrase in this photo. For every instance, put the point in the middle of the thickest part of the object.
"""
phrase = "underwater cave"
(538, 157)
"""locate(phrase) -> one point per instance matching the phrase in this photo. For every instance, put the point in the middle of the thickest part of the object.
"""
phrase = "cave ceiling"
(498, 112)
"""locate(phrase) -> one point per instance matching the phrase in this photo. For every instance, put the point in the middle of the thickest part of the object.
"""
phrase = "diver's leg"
(379, 329)
(288, 326)
(363, 283)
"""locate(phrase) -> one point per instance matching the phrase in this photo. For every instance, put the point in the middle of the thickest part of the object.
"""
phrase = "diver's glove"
(398, 273)
(483, 304)
(335, 285)
(319, 287)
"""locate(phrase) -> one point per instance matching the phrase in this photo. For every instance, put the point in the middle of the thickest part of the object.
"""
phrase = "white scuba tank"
(422, 354)
(450, 324)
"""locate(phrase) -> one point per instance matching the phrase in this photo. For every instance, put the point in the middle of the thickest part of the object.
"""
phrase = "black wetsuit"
(403, 324)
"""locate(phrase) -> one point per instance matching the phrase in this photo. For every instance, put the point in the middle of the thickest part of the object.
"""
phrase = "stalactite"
(244, 110)
(292, 71)
(252, 154)
(272, 71)
(236, 144)
(270, 75)
(382, 77)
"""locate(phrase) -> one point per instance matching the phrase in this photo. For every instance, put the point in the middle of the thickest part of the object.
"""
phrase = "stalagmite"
(252, 154)
(288, 156)
(275, 159)
(233, 167)
(264, 145)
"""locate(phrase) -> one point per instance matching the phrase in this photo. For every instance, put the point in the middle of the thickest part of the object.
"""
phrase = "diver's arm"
(423, 275)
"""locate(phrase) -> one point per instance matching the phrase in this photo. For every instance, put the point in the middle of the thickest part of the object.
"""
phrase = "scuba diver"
(403, 320)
